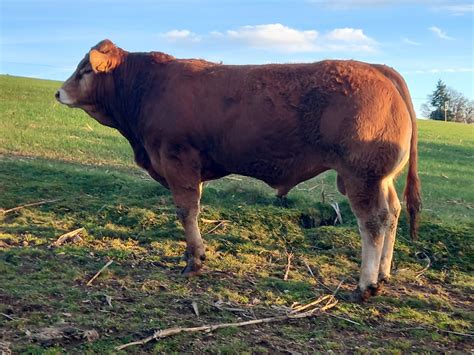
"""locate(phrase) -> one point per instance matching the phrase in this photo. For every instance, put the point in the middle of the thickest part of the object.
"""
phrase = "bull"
(189, 121)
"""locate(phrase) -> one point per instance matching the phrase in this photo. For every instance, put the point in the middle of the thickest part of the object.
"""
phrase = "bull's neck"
(124, 94)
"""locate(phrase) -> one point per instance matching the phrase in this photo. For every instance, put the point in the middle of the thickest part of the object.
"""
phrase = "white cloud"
(216, 34)
(285, 39)
(348, 40)
(275, 36)
(439, 32)
(411, 42)
(181, 35)
(456, 9)
(349, 35)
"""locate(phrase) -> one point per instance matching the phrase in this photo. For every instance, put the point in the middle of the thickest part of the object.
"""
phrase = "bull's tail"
(412, 192)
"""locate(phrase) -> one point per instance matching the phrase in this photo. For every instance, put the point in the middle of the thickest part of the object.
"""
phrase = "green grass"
(51, 152)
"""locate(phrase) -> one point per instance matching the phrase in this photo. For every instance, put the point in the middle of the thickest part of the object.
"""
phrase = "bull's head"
(81, 89)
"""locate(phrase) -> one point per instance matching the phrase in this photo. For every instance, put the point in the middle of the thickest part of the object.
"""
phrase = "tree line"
(447, 104)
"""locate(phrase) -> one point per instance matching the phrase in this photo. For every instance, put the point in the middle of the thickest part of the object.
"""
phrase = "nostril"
(57, 95)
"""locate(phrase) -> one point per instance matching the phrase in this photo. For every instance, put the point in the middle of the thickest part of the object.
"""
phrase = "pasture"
(85, 177)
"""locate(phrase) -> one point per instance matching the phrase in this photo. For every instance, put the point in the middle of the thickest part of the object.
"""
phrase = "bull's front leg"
(182, 172)
(187, 210)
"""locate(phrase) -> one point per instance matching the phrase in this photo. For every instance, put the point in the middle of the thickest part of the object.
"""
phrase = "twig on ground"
(428, 264)
(217, 226)
(336, 208)
(299, 308)
(219, 306)
(338, 287)
(307, 189)
(322, 283)
(323, 196)
(228, 307)
(209, 328)
(456, 333)
(314, 276)
(333, 296)
(7, 316)
(108, 299)
(289, 257)
(204, 220)
(29, 205)
(195, 308)
(165, 208)
(470, 335)
(343, 318)
(99, 272)
(309, 268)
(330, 304)
(233, 178)
(69, 236)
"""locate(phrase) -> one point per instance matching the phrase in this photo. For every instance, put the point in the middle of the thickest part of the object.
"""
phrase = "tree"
(448, 104)
(440, 101)
(461, 107)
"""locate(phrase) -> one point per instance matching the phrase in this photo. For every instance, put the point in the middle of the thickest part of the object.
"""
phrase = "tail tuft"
(413, 200)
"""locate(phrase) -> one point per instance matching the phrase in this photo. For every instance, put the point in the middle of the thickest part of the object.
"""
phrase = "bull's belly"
(280, 173)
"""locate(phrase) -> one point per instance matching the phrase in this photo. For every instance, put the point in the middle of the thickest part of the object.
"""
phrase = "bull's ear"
(103, 62)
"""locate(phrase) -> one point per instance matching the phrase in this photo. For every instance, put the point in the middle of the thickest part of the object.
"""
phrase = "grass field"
(49, 152)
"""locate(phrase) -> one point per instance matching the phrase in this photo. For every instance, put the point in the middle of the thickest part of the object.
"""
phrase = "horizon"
(47, 40)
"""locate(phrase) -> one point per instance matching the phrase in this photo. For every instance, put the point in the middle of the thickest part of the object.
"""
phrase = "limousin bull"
(190, 121)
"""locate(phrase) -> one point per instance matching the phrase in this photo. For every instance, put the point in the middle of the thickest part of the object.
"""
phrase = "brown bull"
(189, 121)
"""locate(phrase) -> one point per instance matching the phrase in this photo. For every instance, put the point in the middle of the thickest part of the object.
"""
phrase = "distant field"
(50, 152)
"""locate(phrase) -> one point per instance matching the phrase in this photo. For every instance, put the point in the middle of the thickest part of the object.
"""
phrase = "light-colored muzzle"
(62, 96)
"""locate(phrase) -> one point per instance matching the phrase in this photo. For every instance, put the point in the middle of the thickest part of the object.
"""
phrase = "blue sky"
(425, 40)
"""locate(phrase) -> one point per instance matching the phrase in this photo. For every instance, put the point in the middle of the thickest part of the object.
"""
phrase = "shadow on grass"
(115, 204)
(112, 202)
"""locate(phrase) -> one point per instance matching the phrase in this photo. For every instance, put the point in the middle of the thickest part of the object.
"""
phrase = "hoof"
(360, 296)
(376, 290)
(282, 201)
(194, 264)
(384, 280)
(356, 296)
(190, 272)
(185, 256)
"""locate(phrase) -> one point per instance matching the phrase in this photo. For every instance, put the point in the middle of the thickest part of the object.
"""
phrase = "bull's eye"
(85, 71)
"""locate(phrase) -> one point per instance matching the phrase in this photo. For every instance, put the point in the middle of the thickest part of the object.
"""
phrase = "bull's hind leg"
(182, 172)
(390, 233)
(369, 203)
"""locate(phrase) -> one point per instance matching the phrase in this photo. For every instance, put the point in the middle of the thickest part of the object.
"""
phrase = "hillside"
(85, 176)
